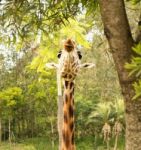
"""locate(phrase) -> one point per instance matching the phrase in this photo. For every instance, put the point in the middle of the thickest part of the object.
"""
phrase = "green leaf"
(137, 49)
(137, 88)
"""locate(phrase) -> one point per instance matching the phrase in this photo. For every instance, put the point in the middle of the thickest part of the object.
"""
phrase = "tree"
(10, 98)
(102, 116)
(120, 40)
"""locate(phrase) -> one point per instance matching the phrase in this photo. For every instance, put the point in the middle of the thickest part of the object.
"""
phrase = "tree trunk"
(60, 119)
(60, 108)
(116, 142)
(9, 129)
(0, 130)
(52, 134)
(118, 34)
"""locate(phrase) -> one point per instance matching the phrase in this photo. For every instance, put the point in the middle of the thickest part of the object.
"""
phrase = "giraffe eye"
(79, 54)
(59, 54)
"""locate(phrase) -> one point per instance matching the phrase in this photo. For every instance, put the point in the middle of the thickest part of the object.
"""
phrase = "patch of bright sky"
(93, 31)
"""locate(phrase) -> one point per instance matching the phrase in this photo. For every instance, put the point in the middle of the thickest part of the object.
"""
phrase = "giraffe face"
(69, 62)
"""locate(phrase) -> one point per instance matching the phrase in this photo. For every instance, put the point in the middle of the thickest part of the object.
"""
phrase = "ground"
(44, 144)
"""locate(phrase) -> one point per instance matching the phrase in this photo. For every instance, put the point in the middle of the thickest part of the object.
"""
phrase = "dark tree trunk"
(118, 34)
(9, 129)
(0, 129)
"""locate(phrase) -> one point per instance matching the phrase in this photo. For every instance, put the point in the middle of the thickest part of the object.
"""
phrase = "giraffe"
(69, 65)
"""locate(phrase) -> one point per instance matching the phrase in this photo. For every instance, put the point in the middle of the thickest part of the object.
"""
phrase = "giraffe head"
(69, 60)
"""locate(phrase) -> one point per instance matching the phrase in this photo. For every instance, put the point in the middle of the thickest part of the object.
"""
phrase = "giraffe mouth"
(69, 48)
(69, 45)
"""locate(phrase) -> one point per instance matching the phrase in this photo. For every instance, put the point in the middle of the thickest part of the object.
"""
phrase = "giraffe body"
(69, 66)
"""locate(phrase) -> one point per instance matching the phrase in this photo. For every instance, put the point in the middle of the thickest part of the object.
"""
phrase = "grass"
(85, 143)
(29, 144)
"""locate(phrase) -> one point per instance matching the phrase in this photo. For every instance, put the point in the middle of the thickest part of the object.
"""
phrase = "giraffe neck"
(68, 111)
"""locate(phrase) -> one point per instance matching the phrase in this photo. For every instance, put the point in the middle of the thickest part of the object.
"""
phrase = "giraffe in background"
(69, 65)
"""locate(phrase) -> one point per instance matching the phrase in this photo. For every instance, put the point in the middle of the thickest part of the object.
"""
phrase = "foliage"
(135, 65)
(137, 87)
(119, 109)
(134, 1)
(23, 19)
(20, 20)
(11, 96)
(50, 45)
(135, 69)
(103, 113)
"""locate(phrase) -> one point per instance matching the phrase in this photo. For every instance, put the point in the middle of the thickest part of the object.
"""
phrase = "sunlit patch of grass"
(30, 144)
(16, 146)
(42, 143)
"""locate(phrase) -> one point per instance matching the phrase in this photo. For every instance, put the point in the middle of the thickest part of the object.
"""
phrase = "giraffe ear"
(52, 65)
(87, 65)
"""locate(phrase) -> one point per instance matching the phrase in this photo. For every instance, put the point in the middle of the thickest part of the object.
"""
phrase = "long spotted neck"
(68, 111)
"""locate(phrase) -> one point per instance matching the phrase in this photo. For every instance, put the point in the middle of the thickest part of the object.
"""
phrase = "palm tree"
(102, 116)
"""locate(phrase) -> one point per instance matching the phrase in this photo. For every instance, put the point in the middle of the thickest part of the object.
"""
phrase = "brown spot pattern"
(71, 111)
(66, 98)
(72, 140)
(70, 76)
(71, 126)
(65, 118)
(71, 85)
(66, 138)
(66, 84)
(71, 95)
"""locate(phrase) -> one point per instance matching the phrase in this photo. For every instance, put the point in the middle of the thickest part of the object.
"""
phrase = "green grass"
(85, 143)
(29, 144)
